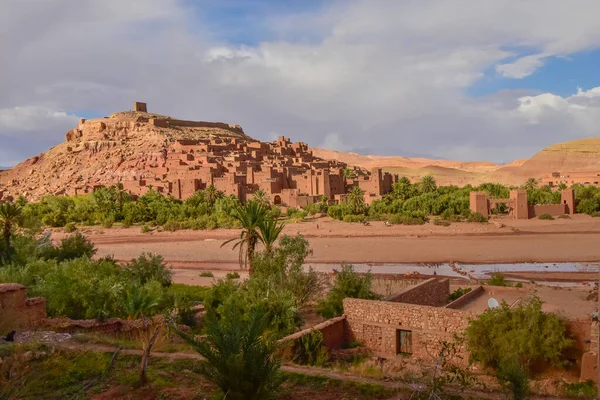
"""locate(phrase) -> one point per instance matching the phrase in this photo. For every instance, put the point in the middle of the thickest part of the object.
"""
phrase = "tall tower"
(521, 210)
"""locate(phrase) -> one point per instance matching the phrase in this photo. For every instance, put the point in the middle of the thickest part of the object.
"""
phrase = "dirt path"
(312, 371)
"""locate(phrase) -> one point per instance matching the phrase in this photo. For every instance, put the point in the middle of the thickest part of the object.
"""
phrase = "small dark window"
(403, 342)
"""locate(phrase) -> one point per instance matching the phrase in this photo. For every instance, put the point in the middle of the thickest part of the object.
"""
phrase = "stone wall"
(433, 292)
(17, 311)
(377, 325)
(333, 330)
(589, 359)
(387, 285)
(466, 298)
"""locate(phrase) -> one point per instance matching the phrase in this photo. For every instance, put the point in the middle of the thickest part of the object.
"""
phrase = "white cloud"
(385, 76)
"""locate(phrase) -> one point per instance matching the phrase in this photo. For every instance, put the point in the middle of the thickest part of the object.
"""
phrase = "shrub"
(347, 284)
(402, 219)
(458, 293)
(586, 390)
(145, 228)
(206, 274)
(546, 216)
(148, 267)
(497, 280)
(564, 216)
(172, 225)
(70, 227)
(441, 222)
(354, 218)
(310, 349)
(108, 221)
(336, 212)
(72, 247)
(233, 275)
(523, 333)
(595, 214)
(477, 217)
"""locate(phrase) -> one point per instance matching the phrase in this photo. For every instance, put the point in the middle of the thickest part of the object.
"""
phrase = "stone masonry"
(433, 292)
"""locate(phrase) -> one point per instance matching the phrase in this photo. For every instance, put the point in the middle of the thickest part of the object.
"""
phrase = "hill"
(105, 151)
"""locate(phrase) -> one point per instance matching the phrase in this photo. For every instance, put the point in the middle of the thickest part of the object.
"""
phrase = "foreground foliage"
(238, 354)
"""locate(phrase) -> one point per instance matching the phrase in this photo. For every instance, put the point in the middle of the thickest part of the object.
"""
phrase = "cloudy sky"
(455, 79)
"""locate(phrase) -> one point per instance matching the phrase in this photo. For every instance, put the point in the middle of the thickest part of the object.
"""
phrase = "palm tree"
(238, 357)
(261, 197)
(428, 184)
(143, 305)
(10, 216)
(356, 200)
(251, 216)
(212, 194)
(269, 231)
(531, 184)
(349, 173)
(562, 186)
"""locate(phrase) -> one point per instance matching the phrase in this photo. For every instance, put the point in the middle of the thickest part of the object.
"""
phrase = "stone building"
(16, 310)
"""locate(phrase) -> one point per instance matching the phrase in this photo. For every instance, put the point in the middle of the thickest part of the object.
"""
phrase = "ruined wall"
(433, 292)
(552, 209)
(165, 123)
(16, 311)
(589, 359)
(391, 284)
(333, 330)
(376, 324)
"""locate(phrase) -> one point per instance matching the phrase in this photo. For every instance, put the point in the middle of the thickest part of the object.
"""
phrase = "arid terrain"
(333, 243)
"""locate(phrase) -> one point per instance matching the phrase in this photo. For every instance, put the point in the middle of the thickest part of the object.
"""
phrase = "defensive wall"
(518, 207)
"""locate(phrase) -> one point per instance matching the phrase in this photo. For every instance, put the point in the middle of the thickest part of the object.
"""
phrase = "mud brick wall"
(375, 323)
(432, 292)
(552, 209)
(16, 311)
(589, 359)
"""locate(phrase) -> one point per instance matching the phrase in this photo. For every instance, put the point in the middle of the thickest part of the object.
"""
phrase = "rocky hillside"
(105, 151)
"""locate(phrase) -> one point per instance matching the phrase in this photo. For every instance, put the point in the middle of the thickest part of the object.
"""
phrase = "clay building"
(518, 207)
(571, 178)
(415, 321)
(16, 310)
(287, 172)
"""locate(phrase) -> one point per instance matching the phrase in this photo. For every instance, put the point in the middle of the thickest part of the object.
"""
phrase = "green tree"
(10, 217)
(143, 303)
(562, 186)
(349, 173)
(356, 201)
(347, 284)
(148, 267)
(531, 184)
(212, 195)
(238, 354)
(524, 333)
(250, 216)
(261, 197)
(428, 184)
(269, 231)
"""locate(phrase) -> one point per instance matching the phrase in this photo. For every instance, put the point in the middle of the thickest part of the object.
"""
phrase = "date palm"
(212, 194)
(238, 356)
(250, 216)
(269, 231)
(10, 216)
(428, 184)
(356, 200)
(261, 197)
(531, 184)
(142, 304)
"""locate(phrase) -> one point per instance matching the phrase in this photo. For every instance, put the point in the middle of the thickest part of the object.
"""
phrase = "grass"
(207, 274)
(586, 390)
(233, 275)
(548, 217)
(191, 292)
(78, 374)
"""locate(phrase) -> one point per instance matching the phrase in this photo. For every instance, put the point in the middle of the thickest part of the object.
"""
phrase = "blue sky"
(454, 79)
(561, 75)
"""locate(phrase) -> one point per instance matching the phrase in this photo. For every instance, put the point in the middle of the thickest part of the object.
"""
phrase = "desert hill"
(105, 151)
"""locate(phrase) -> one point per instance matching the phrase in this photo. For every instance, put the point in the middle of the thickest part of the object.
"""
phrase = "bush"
(206, 274)
(354, 218)
(524, 334)
(595, 214)
(336, 212)
(546, 216)
(149, 267)
(233, 275)
(497, 280)
(586, 390)
(347, 284)
(476, 217)
(564, 216)
(72, 247)
(145, 228)
(310, 350)
(172, 226)
(402, 219)
(70, 227)
(458, 293)
(441, 222)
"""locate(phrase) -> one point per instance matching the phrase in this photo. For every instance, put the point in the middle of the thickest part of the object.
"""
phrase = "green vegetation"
(206, 274)
(238, 354)
(310, 350)
(10, 216)
(497, 280)
(585, 390)
(347, 284)
(546, 216)
(458, 293)
(525, 334)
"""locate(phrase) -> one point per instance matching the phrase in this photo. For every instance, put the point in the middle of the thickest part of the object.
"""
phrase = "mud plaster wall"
(17, 311)
(432, 292)
(375, 324)
(552, 209)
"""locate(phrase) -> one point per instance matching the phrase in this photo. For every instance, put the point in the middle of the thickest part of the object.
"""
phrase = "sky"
(472, 80)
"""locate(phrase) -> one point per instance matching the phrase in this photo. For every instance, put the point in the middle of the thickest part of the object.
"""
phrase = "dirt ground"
(334, 242)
